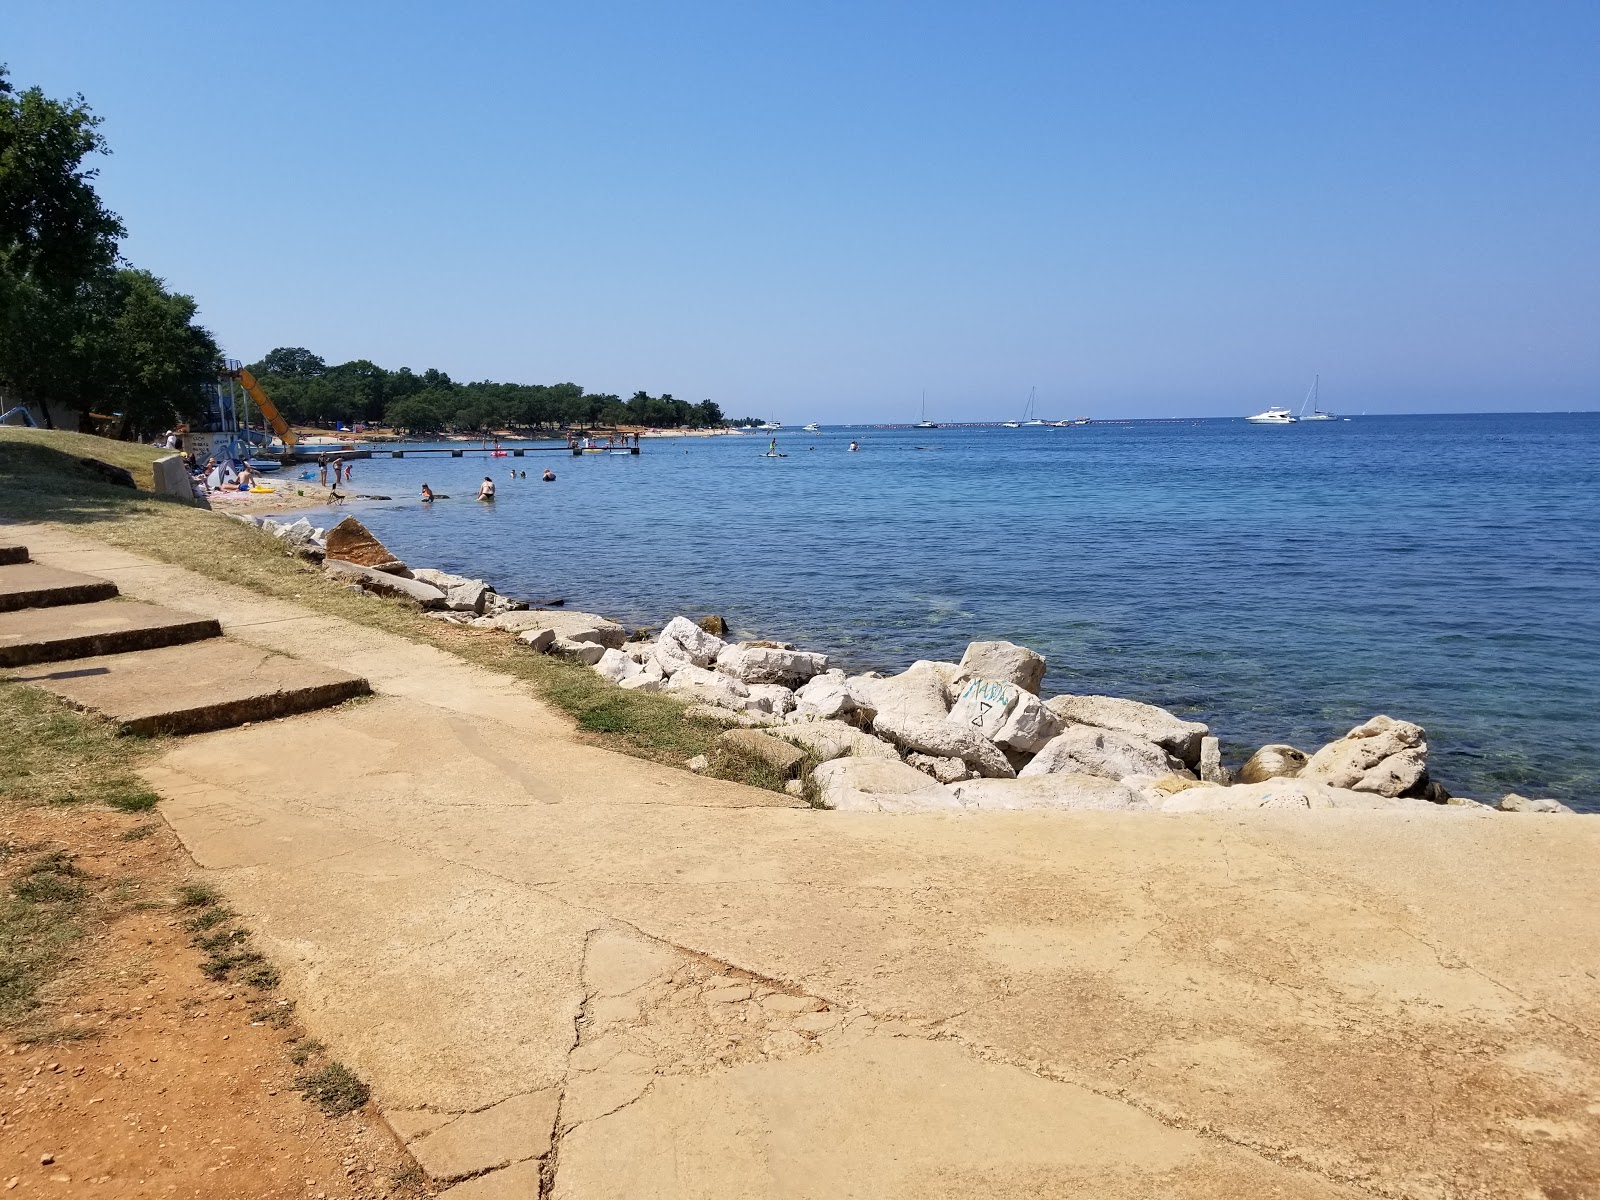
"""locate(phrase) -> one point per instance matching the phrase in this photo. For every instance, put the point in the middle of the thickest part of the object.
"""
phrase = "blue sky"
(816, 211)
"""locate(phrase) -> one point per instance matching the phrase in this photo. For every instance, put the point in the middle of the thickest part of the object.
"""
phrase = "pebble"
(46, 1159)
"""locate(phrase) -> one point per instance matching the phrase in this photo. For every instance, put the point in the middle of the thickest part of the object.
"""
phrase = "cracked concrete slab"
(1312, 1004)
(512, 1131)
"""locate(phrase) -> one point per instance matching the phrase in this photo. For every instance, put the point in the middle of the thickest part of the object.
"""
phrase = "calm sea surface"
(1279, 583)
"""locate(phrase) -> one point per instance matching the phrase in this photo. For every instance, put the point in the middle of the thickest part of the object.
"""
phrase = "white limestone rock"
(983, 705)
(1275, 761)
(617, 666)
(943, 738)
(1382, 755)
(587, 653)
(1047, 791)
(771, 697)
(952, 675)
(641, 683)
(1029, 727)
(827, 740)
(574, 626)
(423, 595)
(1289, 793)
(945, 770)
(829, 696)
(698, 646)
(1511, 802)
(1007, 661)
(729, 716)
(1088, 750)
(709, 687)
(768, 662)
(911, 694)
(1211, 768)
(878, 785)
(1143, 721)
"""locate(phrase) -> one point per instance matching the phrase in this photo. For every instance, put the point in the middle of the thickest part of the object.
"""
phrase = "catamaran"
(1316, 414)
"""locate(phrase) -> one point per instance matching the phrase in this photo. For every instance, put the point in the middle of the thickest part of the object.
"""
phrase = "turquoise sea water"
(1279, 583)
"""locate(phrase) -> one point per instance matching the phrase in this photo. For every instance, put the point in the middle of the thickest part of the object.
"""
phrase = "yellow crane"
(269, 410)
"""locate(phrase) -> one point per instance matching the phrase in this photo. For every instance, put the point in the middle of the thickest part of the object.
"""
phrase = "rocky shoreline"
(969, 735)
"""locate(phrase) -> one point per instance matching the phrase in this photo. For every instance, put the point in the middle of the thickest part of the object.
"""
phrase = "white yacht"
(812, 428)
(1028, 419)
(925, 423)
(1274, 416)
(770, 427)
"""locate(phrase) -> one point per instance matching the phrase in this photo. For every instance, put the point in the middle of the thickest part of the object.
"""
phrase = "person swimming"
(427, 494)
(855, 445)
(549, 476)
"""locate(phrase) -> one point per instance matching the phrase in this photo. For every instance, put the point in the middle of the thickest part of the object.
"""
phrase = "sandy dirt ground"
(172, 1085)
(574, 974)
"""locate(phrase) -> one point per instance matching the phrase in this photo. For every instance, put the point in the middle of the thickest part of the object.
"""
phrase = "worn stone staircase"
(149, 669)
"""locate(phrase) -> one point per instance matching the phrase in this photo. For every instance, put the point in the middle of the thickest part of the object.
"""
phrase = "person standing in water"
(486, 490)
(427, 494)
(549, 475)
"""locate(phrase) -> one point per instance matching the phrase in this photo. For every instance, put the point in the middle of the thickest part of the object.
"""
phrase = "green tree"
(155, 360)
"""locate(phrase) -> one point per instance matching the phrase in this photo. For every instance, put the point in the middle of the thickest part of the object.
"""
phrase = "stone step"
(35, 635)
(13, 554)
(34, 585)
(214, 684)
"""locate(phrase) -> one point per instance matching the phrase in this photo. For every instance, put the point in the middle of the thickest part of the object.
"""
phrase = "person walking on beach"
(486, 490)
(338, 470)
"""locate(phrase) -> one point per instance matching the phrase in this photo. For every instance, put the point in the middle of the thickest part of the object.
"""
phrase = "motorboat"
(1273, 416)
(1316, 414)
(770, 427)
(812, 428)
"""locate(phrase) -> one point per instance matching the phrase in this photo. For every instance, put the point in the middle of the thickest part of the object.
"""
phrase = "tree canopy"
(78, 326)
(309, 391)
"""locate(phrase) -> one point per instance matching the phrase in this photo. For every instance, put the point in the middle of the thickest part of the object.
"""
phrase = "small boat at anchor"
(1273, 416)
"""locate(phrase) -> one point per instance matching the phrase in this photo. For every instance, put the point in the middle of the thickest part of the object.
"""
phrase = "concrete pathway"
(574, 974)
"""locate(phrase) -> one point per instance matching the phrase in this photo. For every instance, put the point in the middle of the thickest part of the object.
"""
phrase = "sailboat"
(925, 423)
(1316, 414)
(1029, 420)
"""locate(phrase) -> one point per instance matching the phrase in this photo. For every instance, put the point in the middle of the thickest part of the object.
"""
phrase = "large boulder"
(878, 785)
(1143, 721)
(919, 694)
(1029, 727)
(1382, 756)
(617, 666)
(351, 541)
(574, 626)
(698, 646)
(783, 757)
(1277, 761)
(829, 696)
(1006, 661)
(771, 697)
(827, 740)
(1298, 793)
(1047, 791)
(944, 739)
(423, 595)
(768, 662)
(952, 675)
(1087, 750)
(983, 705)
(709, 687)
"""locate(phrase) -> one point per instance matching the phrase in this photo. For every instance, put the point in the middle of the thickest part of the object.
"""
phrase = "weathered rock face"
(617, 666)
(1382, 756)
(757, 662)
(1276, 761)
(829, 696)
(945, 770)
(574, 626)
(778, 754)
(983, 705)
(827, 740)
(714, 625)
(587, 653)
(1088, 750)
(1511, 802)
(771, 697)
(919, 694)
(1211, 769)
(423, 595)
(698, 646)
(1005, 661)
(1047, 791)
(1143, 721)
(878, 785)
(953, 675)
(944, 739)
(1300, 793)
(1029, 727)
(710, 687)
(351, 541)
